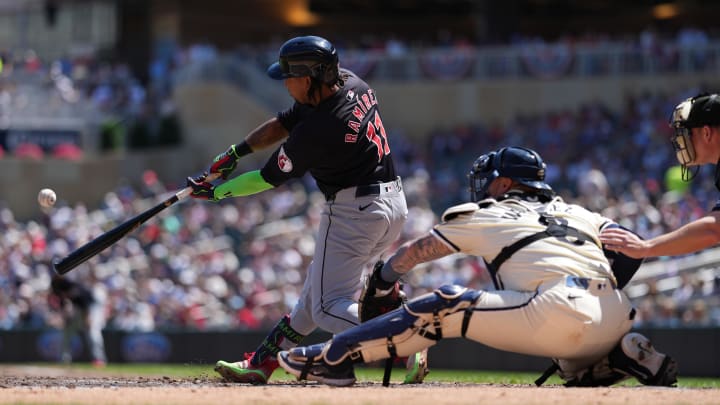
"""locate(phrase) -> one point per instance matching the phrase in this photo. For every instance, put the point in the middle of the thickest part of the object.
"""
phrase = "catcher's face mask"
(481, 176)
(681, 140)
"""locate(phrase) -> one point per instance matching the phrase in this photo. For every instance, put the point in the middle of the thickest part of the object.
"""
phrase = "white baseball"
(47, 197)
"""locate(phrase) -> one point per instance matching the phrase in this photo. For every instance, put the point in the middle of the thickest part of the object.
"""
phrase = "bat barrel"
(102, 242)
(97, 245)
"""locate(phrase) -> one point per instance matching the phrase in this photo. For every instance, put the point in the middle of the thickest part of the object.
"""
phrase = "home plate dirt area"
(57, 385)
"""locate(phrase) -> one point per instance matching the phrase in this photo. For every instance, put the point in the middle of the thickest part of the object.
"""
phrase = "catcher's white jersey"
(484, 232)
(555, 298)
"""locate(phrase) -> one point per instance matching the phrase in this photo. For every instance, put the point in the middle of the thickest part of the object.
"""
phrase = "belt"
(394, 186)
(590, 283)
(377, 189)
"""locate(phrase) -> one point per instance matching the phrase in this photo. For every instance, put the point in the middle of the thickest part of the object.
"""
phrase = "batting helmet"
(307, 56)
(522, 165)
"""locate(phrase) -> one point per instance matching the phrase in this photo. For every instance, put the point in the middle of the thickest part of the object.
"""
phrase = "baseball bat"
(102, 242)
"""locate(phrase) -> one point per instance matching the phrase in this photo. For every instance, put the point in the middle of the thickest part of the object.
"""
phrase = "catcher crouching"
(558, 293)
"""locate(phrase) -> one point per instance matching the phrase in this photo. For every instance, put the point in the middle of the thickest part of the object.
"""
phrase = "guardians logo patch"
(284, 162)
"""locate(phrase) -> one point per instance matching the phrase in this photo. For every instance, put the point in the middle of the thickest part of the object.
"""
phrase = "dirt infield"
(38, 385)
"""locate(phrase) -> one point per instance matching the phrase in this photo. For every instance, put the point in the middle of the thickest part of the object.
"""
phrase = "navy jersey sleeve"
(292, 116)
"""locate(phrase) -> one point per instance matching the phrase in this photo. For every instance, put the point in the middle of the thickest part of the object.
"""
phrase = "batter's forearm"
(267, 134)
(242, 185)
(418, 251)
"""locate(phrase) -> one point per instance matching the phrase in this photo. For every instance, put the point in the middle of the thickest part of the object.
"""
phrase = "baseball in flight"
(47, 197)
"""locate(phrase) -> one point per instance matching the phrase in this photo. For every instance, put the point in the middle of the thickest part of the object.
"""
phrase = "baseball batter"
(556, 295)
(335, 132)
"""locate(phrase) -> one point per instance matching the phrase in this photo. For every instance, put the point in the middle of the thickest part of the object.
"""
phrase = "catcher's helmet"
(306, 56)
(522, 165)
(698, 111)
(694, 112)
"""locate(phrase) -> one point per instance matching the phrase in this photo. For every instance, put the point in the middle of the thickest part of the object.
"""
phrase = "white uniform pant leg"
(560, 322)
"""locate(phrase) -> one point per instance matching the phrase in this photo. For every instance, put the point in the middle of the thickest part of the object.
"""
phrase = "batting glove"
(226, 162)
(201, 189)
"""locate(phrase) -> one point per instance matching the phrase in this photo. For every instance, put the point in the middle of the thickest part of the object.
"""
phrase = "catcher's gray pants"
(354, 230)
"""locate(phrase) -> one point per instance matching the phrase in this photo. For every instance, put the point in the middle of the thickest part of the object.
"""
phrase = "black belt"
(373, 189)
(368, 189)
(378, 188)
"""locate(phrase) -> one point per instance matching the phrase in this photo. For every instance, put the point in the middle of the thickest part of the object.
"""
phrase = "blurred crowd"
(240, 263)
(52, 101)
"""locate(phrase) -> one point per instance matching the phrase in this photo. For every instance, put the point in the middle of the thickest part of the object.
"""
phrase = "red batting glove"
(201, 189)
(225, 163)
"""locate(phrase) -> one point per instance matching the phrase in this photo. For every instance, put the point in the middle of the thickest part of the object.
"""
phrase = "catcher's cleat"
(417, 367)
(308, 363)
(637, 357)
(246, 373)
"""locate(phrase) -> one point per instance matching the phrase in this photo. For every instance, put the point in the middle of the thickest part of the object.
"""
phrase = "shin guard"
(404, 331)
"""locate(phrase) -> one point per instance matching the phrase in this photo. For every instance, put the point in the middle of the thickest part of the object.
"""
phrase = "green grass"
(367, 374)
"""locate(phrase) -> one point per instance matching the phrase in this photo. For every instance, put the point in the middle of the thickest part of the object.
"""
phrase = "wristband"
(242, 149)
(387, 273)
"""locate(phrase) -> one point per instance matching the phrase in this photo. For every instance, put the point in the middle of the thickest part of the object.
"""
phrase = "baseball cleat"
(245, 373)
(308, 363)
(417, 367)
(637, 357)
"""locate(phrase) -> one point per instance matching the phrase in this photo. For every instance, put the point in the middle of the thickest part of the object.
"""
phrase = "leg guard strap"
(436, 327)
(417, 321)
(466, 319)
(545, 375)
(389, 361)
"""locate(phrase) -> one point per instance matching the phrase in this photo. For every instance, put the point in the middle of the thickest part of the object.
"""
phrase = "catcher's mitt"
(376, 300)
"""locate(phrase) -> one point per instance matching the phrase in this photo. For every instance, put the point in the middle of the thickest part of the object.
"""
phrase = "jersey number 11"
(374, 127)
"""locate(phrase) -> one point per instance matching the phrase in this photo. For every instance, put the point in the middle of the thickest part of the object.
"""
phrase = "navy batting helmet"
(306, 56)
(522, 165)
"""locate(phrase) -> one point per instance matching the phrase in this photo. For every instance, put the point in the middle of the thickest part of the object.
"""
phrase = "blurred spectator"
(29, 151)
(83, 310)
(191, 275)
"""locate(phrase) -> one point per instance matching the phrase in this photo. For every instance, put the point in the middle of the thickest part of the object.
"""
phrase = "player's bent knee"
(407, 330)
(446, 299)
